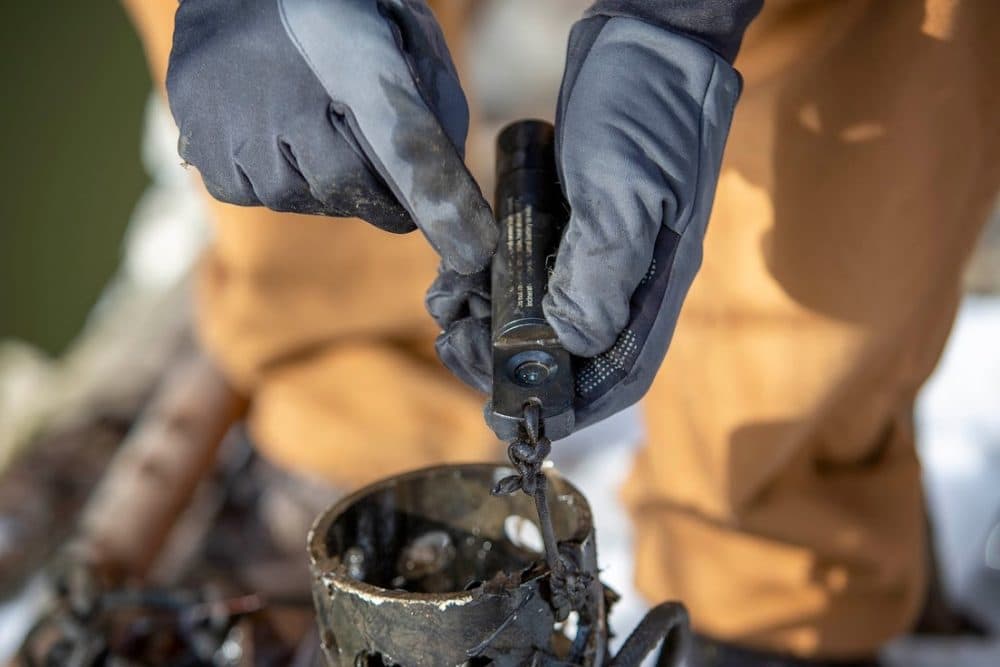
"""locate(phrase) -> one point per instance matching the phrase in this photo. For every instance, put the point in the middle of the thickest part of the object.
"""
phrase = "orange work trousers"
(778, 494)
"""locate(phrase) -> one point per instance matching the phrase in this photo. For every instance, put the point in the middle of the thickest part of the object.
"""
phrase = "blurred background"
(99, 228)
(76, 89)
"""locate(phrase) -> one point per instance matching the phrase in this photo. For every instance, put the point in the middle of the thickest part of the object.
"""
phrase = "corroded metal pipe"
(428, 568)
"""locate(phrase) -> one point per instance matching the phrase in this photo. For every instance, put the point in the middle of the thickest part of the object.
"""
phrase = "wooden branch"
(155, 473)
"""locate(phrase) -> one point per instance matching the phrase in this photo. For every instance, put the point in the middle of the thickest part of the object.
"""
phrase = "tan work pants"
(779, 493)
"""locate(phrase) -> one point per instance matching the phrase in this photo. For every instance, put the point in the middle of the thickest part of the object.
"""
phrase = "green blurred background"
(75, 89)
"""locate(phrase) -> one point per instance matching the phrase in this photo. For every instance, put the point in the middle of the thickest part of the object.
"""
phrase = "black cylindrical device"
(529, 364)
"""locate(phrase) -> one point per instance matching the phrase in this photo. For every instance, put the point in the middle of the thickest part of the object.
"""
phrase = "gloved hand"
(333, 107)
(642, 120)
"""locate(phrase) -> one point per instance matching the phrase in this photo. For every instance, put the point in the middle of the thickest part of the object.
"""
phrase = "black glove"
(643, 117)
(334, 107)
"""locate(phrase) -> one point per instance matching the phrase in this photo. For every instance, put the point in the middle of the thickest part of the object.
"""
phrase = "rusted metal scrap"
(206, 607)
(42, 492)
(146, 627)
(101, 607)
(429, 568)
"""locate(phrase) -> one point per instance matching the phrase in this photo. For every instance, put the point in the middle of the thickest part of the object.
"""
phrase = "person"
(778, 494)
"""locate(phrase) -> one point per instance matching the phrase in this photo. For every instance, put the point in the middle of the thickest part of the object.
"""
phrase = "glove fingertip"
(578, 334)
(471, 248)
(456, 362)
(464, 347)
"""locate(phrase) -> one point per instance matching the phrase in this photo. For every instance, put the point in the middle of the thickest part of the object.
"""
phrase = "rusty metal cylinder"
(429, 569)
